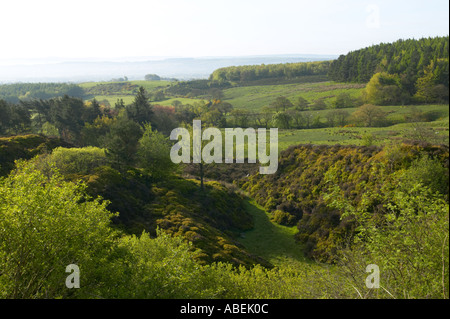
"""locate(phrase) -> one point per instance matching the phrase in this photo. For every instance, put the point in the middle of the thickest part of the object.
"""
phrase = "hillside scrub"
(306, 173)
(49, 223)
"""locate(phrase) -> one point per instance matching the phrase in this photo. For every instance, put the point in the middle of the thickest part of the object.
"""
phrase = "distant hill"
(180, 68)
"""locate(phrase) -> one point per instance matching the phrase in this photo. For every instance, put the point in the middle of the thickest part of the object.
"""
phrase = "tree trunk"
(201, 175)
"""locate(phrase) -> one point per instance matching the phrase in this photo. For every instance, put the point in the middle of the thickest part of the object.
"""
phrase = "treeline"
(194, 88)
(26, 91)
(248, 73)
(112, 88)
(403, 71)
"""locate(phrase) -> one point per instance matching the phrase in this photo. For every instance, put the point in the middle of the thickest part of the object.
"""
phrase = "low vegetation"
(362, 180)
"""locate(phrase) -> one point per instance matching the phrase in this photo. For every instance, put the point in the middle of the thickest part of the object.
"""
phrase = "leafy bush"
(81, 161)
(283, 218)
(45, 225)
(430, 172)
(407, 239)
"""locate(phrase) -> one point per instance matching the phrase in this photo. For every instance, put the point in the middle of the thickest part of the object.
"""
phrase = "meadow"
(254, 98)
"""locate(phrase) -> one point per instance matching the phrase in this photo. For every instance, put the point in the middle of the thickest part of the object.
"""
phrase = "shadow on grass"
(271, 241)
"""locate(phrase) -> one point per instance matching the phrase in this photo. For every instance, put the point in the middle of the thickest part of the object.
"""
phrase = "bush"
(407, 239)
(283, 218)
(82, 161)
(45, 225)
(429, 172)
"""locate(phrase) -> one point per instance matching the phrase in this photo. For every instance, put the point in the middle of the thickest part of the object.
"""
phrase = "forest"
(406, 69)
(271, 72)
(88, 182)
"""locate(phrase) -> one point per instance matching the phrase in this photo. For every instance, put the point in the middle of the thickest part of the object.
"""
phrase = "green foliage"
(281, 120)
(283, 218)
(383, 89)
(154, 153)
(403, 57)
(14, 119)
(433, 85)
(307, 172)
(163, 267)
(344, 100)
(140, 111)
(369, 115)
(94, 133)
(398, 71)
(429, 172)
(46, 224)
(24, 147)
(281, 103)
(195, 88)
(407, 239)
(78, 161)
(250, 73)
(152, 77)
(302, 95)
(121, 142)
(29, 91)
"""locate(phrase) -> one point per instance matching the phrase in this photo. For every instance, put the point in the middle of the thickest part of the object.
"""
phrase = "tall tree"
(302, 103)
(4, 116)
(66, 114)
(154, 153)
(281, 120)
(121, 142)
(140, 111)
(369, 115)
(281, 103)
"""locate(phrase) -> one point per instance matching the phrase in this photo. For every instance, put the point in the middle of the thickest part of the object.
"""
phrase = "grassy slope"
(356, 135)
(128, 96)
(271, 241)
(255, 97)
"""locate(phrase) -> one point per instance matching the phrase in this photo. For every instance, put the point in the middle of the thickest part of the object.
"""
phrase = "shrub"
(82, 161)
(283, 218)
(45, 225)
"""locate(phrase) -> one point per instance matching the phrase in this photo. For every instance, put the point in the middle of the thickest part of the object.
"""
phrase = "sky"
(113, 29)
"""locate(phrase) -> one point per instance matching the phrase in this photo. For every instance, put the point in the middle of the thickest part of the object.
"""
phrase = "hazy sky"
(127, 28)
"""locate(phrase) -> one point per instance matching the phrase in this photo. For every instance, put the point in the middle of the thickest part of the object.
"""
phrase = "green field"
(436, 132)
(113, 91)
(255, 97)
(148, 85)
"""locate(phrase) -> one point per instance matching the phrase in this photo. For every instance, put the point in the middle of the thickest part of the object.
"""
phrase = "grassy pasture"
(253, 98)
(437, 132)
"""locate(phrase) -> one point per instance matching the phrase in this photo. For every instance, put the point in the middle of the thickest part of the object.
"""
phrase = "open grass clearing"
(271, 241)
